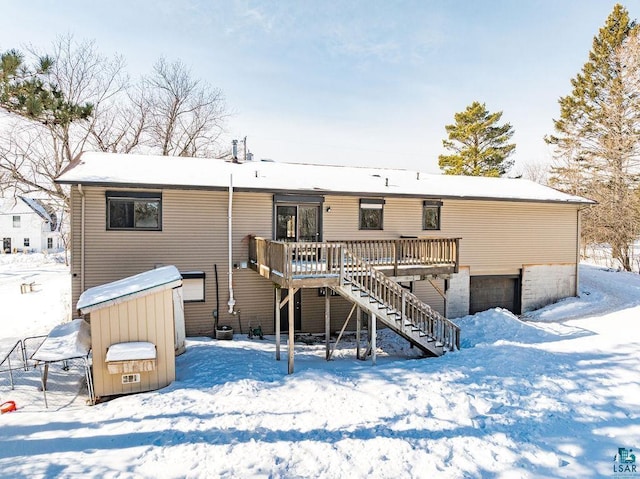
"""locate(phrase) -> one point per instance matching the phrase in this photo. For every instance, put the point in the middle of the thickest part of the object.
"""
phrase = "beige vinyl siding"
(313, 312)
(193, 238)
(75, 245)
(427, 293)
(500, 237)
(313, 307)
(252, 215)
(146, 318)
(194, 227)
(497, 237)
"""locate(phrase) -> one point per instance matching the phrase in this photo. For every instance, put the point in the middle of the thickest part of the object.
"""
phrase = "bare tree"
(186, 115)
(534, 171)
(37, 145)
(76, 100)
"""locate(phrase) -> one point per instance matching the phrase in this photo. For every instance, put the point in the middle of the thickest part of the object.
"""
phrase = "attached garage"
(486, 292)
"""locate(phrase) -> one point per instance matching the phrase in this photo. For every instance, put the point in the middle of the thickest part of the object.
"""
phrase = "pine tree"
(479, 144)
(597, 137)
(31, 93)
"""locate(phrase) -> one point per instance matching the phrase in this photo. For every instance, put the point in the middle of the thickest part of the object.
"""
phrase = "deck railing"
(406, 252)
(314, 259)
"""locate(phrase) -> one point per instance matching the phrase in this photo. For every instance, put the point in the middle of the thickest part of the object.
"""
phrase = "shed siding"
(146, 318)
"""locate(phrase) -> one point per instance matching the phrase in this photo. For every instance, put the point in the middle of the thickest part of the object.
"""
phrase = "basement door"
(297, 312)
(486, 292)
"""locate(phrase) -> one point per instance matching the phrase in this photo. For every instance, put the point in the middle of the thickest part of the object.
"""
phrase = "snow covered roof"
(126, 289)
(112, 169)
(38, 207)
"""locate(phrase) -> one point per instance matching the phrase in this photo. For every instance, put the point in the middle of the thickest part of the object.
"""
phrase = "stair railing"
(381, 288)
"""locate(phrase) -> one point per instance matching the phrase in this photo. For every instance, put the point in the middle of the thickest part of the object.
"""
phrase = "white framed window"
(16, 222)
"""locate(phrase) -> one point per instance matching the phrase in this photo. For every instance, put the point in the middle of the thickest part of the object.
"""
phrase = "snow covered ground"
(555, 396)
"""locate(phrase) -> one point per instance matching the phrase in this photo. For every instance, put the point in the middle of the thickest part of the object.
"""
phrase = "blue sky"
(369, 83)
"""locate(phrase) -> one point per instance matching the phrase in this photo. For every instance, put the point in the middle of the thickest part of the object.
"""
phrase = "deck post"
(396, 256)
(278, 299)
(292, 324)
(358, 328)
(373, 339)
(369, 327)
(327, 320)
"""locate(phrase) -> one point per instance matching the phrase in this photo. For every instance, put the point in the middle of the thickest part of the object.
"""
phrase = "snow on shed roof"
(112, 169)
(125, 289)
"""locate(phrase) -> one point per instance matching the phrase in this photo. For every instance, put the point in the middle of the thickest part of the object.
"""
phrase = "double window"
(134, 211)
(371, 214)
(431, 214)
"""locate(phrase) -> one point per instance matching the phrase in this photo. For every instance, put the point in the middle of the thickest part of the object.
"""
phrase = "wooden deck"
(323, 264)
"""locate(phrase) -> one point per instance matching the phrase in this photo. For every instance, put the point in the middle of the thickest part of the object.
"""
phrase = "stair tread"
(415, 329)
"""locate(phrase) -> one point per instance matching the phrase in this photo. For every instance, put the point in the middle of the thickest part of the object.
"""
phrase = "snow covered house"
(407, 248)
(27, 224)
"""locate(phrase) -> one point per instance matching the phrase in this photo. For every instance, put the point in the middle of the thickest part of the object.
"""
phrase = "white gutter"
(82, 208)
(232, 301)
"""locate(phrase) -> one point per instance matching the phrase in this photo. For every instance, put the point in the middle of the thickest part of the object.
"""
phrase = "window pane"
(26, 241)
(120, 214)
(16, 222)
(309, 230)
(146, 214)
(431, 218)
(370, 219)
(286, 223)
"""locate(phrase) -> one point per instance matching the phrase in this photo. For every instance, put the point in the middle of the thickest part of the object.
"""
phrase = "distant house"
(28, 225)
(406, 248)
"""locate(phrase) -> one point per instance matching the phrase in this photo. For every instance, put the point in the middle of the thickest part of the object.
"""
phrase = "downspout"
(578, 245)
(232, 301)
(82, 212)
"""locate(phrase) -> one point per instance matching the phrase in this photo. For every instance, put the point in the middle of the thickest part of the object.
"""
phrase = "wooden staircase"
(397, 308)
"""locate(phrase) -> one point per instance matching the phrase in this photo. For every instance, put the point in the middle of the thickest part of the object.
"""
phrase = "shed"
(134, 331)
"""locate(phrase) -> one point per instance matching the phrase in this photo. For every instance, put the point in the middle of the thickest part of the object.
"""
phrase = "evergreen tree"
(597, 137)
(479, 144)
(31, 92)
